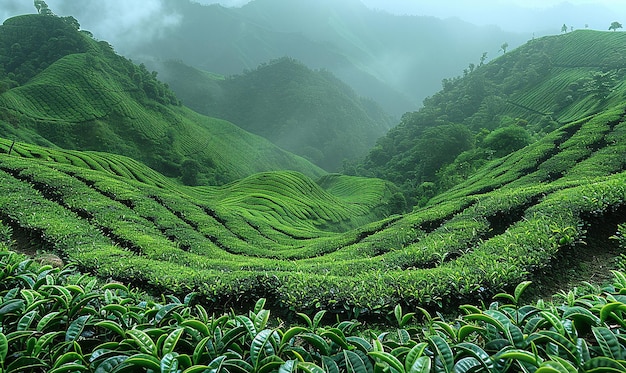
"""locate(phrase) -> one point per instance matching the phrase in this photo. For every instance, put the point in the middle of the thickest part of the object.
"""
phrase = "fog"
(130, 25)
(123, 23)
(524, 16)
(127, 23)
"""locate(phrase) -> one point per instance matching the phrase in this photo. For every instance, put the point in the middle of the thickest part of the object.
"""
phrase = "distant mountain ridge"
(395, 60)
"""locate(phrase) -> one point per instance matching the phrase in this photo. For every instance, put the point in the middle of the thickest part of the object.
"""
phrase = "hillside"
(498, 108)
(543, 213)
(552, 212)
(65, 89)
(395, 60)
(309, 113)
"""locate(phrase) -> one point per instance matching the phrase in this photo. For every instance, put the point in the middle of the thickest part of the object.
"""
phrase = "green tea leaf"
(608, 343)
(112, 326)
(172, 340)
(444, 352)
(76, 328)
(353, 362)
(169, 364)
(4, 348)
(144, 342)
(291, 333)
(389, 359)
(412, 357)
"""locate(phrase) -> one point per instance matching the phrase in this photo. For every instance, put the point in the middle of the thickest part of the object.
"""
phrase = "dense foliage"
(308, 246)
(55, 320)
(497, 108)
(309, 113)
(544, 212)
(76, 93)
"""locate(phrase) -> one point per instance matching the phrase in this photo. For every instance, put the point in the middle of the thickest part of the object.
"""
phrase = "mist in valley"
(395, 52)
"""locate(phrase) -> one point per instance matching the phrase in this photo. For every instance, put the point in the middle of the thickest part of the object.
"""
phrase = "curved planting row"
(262, 237)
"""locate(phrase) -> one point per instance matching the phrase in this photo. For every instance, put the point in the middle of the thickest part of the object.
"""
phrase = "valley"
(182, 231)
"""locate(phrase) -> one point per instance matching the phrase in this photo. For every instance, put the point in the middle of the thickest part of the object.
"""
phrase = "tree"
(504, 46)
(601, 84)
(189, 172)
(615, 25)
(564, 28)
(506, 140)
(483, 58)
(42, 8)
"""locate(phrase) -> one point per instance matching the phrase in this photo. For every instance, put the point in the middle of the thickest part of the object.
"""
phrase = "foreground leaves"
(70, 324)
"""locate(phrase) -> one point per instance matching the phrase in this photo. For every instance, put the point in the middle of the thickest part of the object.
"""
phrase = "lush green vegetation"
(309, 113)
(309, 246)
(76, 93)
(56, 320)
(499, 107)
(551, 211)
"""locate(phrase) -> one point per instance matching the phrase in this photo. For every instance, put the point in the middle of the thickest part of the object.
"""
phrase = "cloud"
(227, 3)
(12, 8)
(125, 24)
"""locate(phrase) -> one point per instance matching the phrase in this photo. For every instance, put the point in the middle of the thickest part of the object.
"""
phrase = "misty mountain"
(500, 107)
(309, 113)
(395, 60)
(61, 88)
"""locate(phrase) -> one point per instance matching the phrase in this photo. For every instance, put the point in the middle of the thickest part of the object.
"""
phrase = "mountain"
(498, 108)
(395, 60)
(309, 113)
(62, 88)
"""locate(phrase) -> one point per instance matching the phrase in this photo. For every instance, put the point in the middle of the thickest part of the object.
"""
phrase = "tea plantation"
(283, 237)
(277, 233)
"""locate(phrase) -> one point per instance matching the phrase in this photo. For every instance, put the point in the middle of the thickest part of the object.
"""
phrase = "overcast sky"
(117, 21)
(511, 15)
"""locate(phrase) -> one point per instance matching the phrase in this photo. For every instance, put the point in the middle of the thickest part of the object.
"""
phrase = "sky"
(116, 21)
(510, 15)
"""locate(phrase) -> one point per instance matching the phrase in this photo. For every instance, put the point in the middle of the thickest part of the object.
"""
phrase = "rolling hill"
(307, 246)
(498, 108)
(309, 113)
(65, 89)
(549, 212)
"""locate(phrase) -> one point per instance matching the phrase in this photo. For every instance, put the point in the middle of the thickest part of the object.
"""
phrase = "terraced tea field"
(307, 245)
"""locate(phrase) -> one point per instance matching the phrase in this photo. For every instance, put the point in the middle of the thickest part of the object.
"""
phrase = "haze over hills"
(536, 196)
(500, 107)
(309, 113)
(62, 88)
(395, 60)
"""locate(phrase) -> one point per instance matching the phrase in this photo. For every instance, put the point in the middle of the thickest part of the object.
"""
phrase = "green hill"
(309, 113)
(551, 212)
(65, 89)
(500, 107)
(539, 213)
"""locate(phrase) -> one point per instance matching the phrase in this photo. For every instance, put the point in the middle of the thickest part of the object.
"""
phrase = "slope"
(309, 113)
(280, 236)
(500, 107)
(533, 214)
(91, 98)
